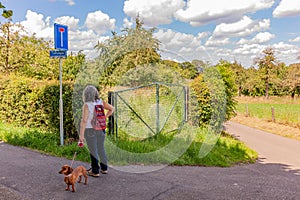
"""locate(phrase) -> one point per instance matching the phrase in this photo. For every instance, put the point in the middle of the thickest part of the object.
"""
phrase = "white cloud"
(297, 39)
(287, 8)
(71, 22)
(246, 53)
(259, 38)
(213, 42)
(263, 37)
(35, 24)
(78, 39)
(182, 47)
(185, 50)
(85, 40)
(70, 2)
(153, 12)
(201, 12)
(99, 22)
(223, 53)
(176, 40)
(285, 48)
(286, 52)
(127, 23)
(243, 41)
(202, 35)
(190, 47)
(246, 26)
(249, 49)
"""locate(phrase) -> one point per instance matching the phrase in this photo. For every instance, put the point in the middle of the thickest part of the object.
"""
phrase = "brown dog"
(72, 178)
(66, 170)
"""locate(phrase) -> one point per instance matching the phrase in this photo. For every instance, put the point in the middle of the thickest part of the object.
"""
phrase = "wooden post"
(273, 114)
(247, 111)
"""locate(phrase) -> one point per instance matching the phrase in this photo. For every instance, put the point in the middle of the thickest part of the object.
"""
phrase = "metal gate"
(147, 110)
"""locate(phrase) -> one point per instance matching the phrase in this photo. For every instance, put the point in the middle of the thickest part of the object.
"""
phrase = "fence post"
(273, 114)
(186, 103)
(111, 119)
(247, 111)
(157, 109)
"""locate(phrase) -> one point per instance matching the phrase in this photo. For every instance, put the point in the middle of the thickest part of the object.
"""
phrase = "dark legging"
(95, 142)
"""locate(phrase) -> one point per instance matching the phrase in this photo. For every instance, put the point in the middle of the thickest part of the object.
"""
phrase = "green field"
(286, 111)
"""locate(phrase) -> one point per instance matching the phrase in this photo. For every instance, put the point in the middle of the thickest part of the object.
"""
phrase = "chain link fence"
(147, 110)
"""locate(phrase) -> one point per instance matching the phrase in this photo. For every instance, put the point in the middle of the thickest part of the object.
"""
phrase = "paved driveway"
(27, 174)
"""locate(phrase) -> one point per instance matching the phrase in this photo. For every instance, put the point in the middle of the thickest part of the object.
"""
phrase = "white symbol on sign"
(61, 30)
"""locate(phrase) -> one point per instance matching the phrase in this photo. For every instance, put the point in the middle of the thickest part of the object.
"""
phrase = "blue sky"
(187, 29)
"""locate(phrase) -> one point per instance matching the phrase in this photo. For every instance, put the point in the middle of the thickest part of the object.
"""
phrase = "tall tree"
(200, 65)
(280, 72)
(120, 53)
(189, 70)
(9, 39)
(293, 79)
(239, 74)
(253, 86)
(266, 66)
(34, 60)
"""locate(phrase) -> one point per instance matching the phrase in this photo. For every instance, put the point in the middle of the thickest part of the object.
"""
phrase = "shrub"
(33, 103)
(212, 95)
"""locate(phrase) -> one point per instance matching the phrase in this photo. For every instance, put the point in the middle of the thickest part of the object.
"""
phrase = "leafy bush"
(200, 108)
(211, 96)
(32, 103)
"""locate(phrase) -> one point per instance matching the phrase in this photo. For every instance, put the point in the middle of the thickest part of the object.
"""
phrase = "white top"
(91, 107)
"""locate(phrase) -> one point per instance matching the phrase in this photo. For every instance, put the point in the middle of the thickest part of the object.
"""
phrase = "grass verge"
(43, 142)
(227, 151)
(271, 127)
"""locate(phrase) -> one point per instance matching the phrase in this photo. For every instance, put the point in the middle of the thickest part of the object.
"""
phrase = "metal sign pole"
(61, 129)
(61, 47)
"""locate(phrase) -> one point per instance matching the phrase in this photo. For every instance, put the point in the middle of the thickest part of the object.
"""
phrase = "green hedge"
(212, 95)
(32, 103)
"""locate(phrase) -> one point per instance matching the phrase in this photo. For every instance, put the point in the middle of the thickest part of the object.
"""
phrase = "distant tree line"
(271, 77)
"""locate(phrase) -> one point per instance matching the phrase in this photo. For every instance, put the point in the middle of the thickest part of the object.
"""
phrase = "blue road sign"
(58, 54)
(60, 37)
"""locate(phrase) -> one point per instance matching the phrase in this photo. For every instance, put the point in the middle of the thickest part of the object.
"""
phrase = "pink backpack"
(99, 119)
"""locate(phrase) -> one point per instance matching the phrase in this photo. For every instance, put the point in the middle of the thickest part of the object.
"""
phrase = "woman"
(94, 138)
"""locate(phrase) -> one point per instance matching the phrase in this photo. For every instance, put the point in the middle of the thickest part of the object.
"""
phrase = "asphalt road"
(27, 174)
(271, 148)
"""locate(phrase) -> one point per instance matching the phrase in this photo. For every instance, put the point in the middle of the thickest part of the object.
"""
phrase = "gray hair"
(89, 93)
(97, 96)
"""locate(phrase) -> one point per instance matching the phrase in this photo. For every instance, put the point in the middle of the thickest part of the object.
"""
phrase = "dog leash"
(80, 144)
(73, 158)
